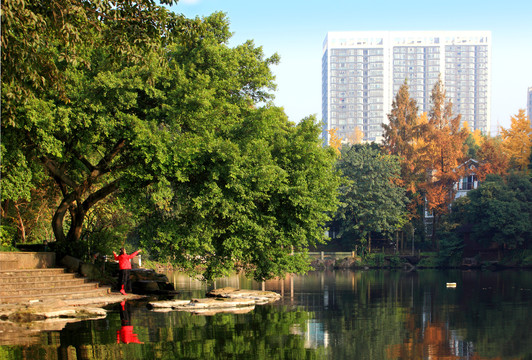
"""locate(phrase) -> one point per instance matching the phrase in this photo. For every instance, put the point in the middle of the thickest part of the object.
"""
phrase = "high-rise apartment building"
(529, 103)
(362, 72)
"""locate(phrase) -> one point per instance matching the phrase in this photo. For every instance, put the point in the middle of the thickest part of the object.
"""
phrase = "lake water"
(322, 315)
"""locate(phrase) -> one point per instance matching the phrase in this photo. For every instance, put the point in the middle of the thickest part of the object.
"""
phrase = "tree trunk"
(59, 217)
(435, 243)
(78, 211)
(21, 227)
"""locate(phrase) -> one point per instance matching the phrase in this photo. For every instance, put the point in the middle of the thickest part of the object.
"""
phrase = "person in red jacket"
(124, 264)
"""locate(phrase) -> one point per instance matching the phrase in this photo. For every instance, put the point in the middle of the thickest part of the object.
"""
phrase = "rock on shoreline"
(220, 300)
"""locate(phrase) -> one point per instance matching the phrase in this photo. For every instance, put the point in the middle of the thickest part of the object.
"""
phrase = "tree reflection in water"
(323, 315)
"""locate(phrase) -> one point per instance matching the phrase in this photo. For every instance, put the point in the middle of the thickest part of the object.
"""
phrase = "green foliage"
(499, 211)
(375, 260)
(395, 261)
(370, 200)
(158, 113)
(451, 249)
(253, 198)
(472, 147)
(7, 236)
(428, 262)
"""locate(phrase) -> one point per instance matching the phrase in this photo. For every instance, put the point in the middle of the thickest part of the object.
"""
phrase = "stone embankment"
(21, 323)
(227, 300)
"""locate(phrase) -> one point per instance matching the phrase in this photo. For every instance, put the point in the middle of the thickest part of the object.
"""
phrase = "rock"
(90, 271)
(146, 281)
(220, 300)
(145, 287)
(260, 297)
(230, 310)
(347, 263)
(71, 263)
(324, 264)
(168, 304)
(147, 274)
(217, 303)
(206, 303)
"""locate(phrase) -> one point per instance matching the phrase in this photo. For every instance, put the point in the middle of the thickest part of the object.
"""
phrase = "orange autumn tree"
(446, 152)
(492, 159)
(473, 140)
(517, 140)
(356, 136)
(402, 137)
(334, 141)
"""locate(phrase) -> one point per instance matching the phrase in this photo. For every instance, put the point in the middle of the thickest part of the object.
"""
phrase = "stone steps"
(20, 280)
(20, 286)
(21, 299)
(12, 288)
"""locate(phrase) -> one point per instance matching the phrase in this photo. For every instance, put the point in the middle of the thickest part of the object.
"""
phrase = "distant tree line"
(425, 154)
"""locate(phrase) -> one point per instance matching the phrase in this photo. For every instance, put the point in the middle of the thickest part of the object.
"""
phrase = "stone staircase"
(21, 284)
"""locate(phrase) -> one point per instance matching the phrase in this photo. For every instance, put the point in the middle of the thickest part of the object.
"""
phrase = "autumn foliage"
(445, 153)
(517, 140)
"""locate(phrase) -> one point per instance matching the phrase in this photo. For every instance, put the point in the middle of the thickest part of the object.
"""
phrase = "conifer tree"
(403, 138)
(446, 149)
(517, 140)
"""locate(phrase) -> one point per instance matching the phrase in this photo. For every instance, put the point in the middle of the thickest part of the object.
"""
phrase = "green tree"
(499, 211)
(254, 201)
(167, 119)
(56, 56)
(370, 200)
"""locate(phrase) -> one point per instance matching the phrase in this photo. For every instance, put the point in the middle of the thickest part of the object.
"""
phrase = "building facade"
(529, 103)
(362, 72)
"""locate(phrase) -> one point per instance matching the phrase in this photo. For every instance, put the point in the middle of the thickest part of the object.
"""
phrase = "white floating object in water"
(451, 285)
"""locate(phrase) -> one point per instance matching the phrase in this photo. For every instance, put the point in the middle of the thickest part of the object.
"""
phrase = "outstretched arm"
(134, 254)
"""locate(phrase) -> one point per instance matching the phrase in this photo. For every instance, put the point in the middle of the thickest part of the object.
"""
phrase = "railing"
(331, 255)
(467, 185)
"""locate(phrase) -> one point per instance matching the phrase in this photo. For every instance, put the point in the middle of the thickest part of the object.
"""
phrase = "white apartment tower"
(529, 103)
(362, 72)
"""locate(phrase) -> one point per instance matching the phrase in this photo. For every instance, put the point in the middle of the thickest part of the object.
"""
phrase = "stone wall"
(26, 260)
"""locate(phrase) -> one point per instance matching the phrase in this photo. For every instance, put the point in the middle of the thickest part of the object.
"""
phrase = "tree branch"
(100, 194)
(57, 173)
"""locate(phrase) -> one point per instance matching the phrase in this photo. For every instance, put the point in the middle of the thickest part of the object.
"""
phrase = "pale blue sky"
(295, 29)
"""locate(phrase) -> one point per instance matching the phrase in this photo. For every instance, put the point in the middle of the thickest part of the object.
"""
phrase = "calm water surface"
(323, 315)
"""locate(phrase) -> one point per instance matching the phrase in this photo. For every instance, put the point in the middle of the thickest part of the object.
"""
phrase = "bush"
(7, 237)
(375, 260)
(429, 262)
(395, 261)
(451, 249)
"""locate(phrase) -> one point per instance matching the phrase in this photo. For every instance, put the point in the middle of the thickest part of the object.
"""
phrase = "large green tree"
(371, 201)
(499, 211)
(157, 109)
(56, 57)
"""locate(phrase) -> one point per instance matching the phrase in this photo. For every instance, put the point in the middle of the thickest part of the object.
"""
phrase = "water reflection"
(125, 334)
(323, 315)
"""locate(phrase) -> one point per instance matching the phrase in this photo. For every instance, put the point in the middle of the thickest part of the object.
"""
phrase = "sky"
(296, 29)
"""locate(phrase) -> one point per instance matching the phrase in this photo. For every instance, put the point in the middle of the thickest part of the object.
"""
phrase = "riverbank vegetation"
(128, 120)
(490, 221)
(129, 125)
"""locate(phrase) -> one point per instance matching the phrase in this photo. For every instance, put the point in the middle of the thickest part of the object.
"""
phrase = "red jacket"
(124, 260)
